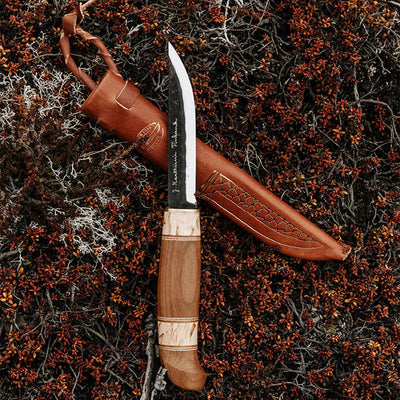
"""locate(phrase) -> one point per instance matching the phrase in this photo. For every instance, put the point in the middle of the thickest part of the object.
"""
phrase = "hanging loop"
(70, 27)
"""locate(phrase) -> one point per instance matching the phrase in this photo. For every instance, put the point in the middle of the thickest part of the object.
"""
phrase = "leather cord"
(88, 3)
(71, 27)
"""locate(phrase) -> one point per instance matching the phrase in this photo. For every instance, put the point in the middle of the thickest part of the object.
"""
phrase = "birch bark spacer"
(181, 222)
(177, 334)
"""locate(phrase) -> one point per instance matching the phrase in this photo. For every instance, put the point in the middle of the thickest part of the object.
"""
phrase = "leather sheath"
(118, 106)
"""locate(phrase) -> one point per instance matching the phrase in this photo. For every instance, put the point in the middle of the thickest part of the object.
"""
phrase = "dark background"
(302, 95)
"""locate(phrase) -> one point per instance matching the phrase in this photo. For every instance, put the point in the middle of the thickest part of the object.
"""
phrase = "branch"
(8, 254)
(151, 332)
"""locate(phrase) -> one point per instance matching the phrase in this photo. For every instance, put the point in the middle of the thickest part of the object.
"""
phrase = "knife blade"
(179, 269)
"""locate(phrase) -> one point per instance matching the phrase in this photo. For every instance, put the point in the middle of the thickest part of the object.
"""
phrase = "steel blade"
(181, 135)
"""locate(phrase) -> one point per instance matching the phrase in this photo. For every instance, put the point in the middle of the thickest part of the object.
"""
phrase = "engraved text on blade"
(174, 145)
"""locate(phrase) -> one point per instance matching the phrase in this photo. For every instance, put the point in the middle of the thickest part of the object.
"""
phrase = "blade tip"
(171, 49)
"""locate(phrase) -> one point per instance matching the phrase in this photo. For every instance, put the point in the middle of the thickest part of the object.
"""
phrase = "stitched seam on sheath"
(119, 94)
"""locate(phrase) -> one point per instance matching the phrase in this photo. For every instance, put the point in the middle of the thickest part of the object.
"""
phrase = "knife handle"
(178, 298)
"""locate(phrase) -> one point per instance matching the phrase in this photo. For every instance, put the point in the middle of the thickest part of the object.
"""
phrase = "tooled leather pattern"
(218, 183)
(150, 137)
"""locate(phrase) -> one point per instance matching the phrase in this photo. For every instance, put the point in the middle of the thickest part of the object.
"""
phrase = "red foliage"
(301, 94)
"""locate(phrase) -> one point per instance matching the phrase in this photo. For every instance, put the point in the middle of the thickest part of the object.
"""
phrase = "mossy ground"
(304, 96)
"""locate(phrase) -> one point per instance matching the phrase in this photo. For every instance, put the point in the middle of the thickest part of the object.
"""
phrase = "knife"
(179, 270)
(117, 105)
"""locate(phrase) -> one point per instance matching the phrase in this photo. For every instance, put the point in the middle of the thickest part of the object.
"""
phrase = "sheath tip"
(346, 251)
(340, 252)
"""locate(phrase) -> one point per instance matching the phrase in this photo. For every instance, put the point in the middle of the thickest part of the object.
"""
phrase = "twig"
(224, 26)
(8, 254)
(106, 341)
(87, 4)
(87, 156)
(119, 378)
(160, 383)
(150, 328)
(395, 3)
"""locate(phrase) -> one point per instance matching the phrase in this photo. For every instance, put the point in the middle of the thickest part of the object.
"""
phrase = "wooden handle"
(178, 298)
